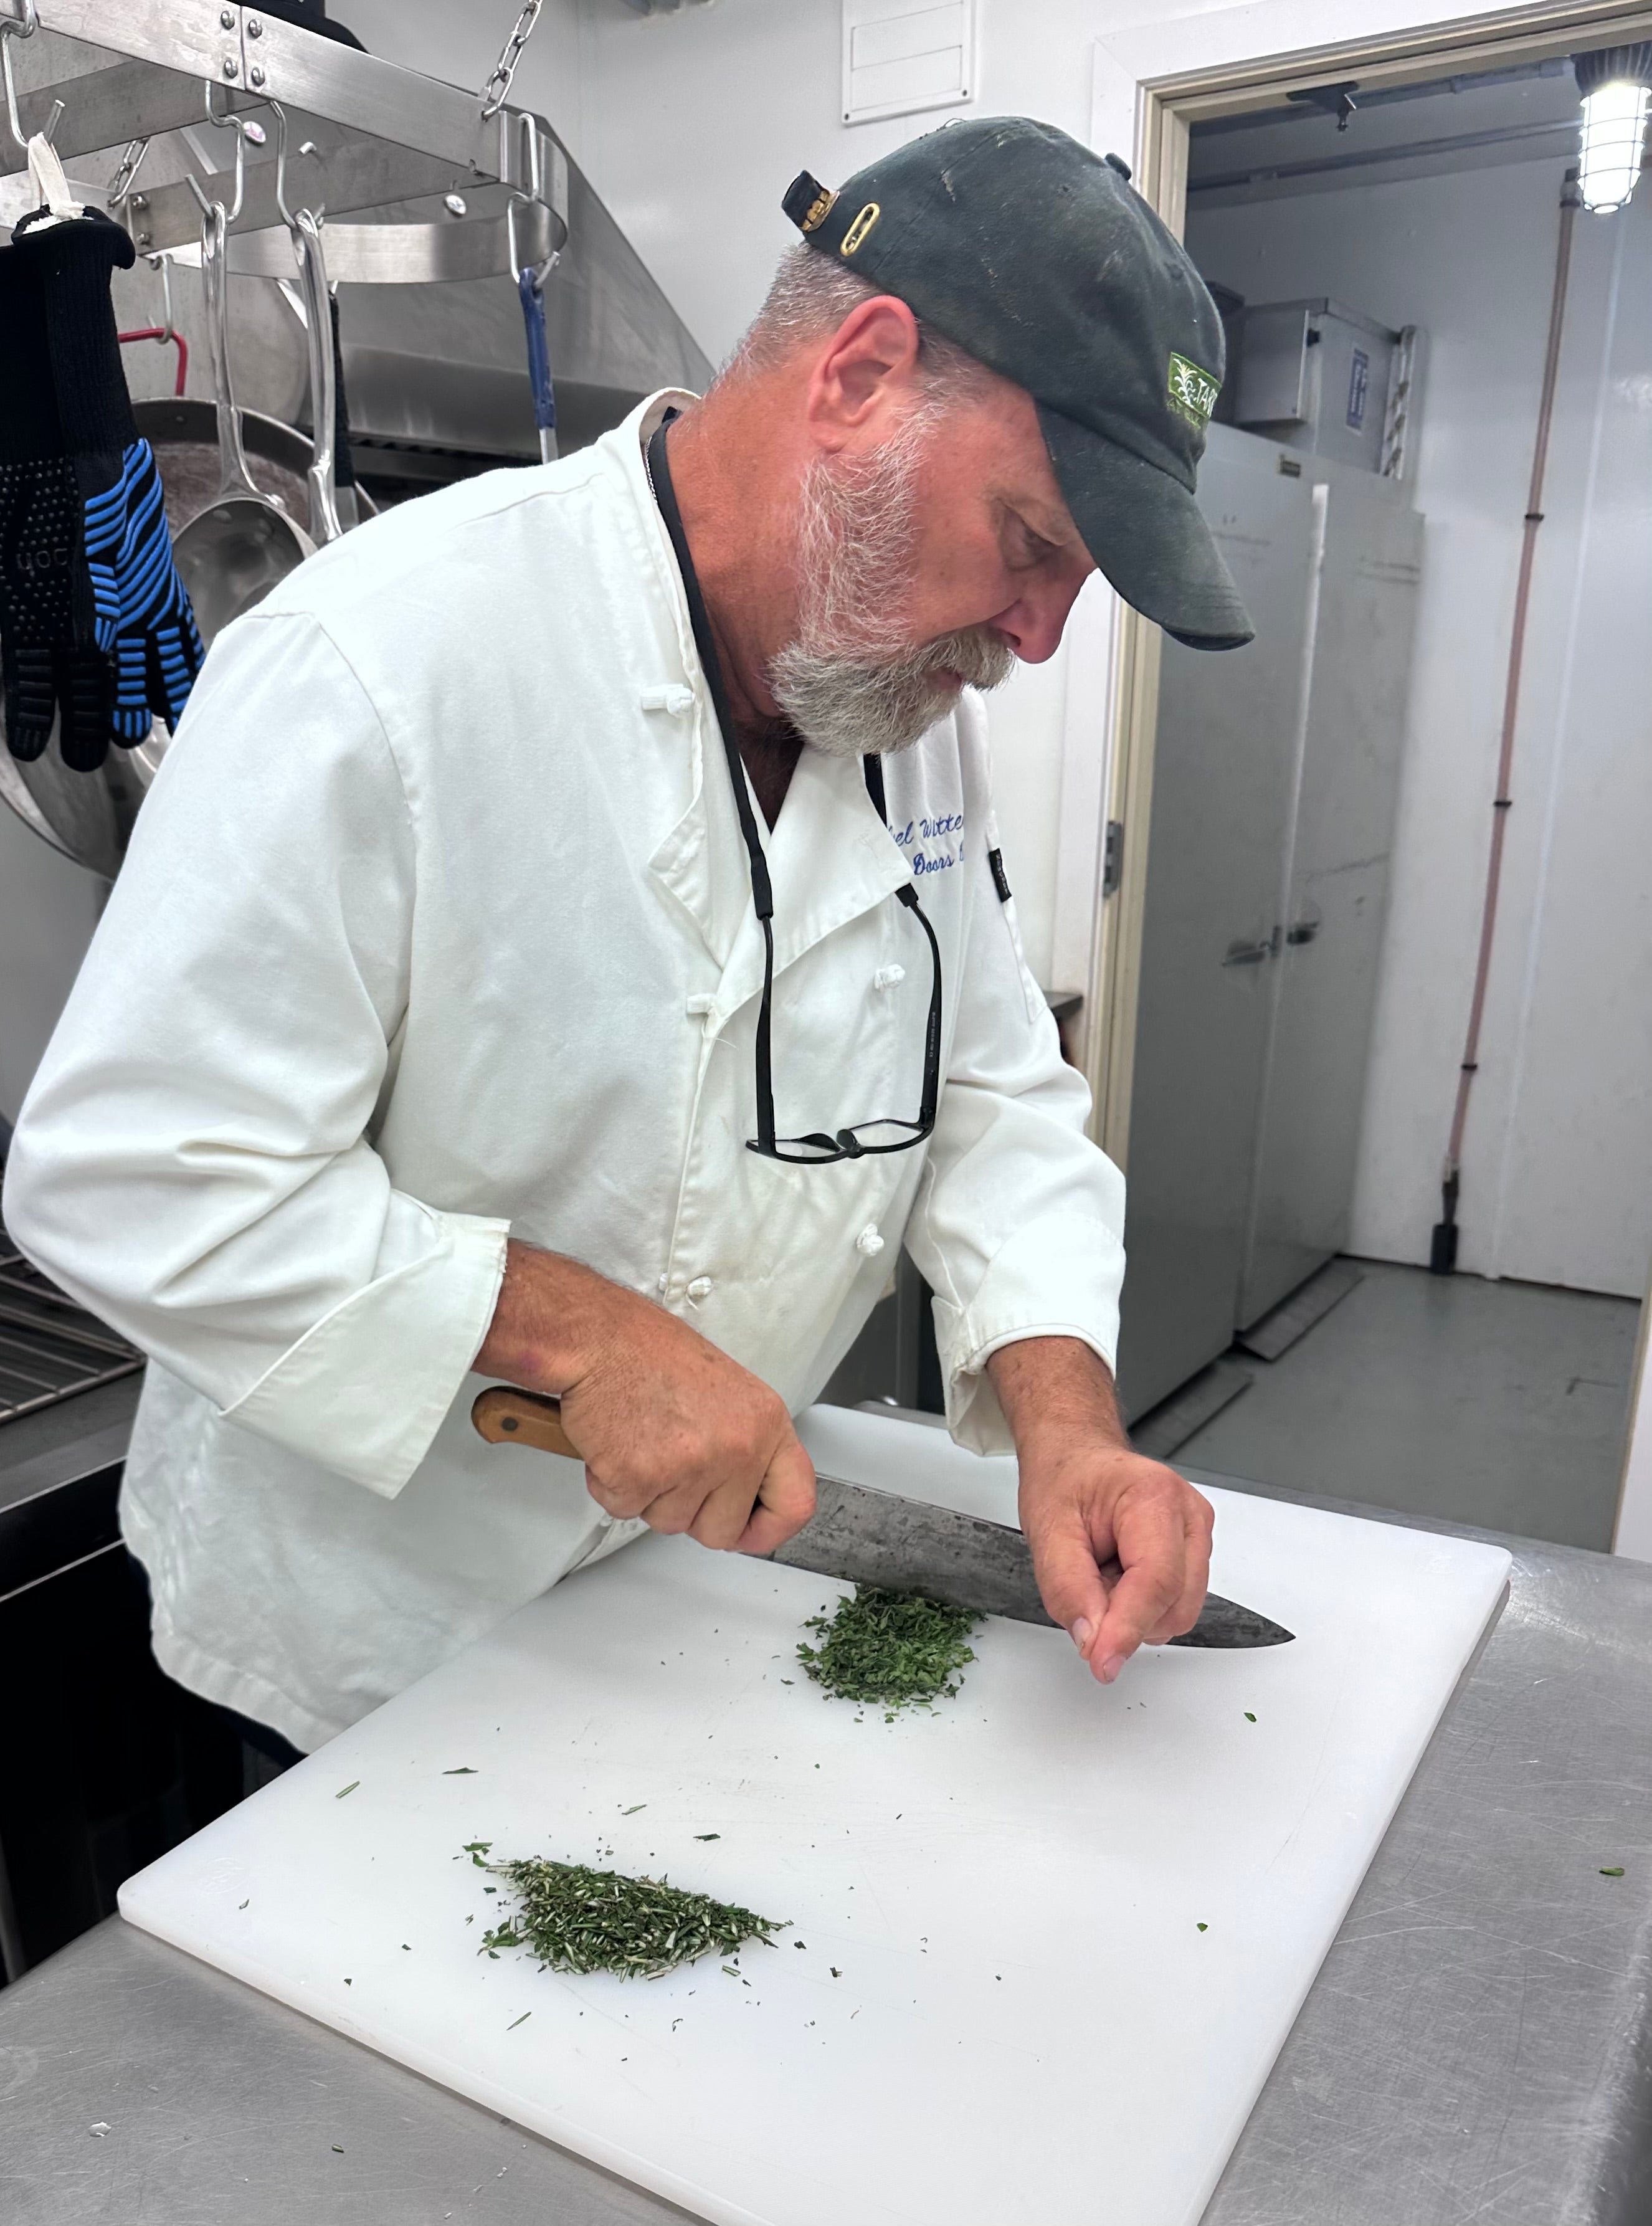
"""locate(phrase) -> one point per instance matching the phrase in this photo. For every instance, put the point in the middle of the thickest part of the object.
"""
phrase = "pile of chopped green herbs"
(575, 1919)
(892, 1648)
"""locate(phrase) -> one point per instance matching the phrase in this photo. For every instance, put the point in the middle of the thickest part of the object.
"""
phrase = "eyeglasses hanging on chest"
(884, 1132)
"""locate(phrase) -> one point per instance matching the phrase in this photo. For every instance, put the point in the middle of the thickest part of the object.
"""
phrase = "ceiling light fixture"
(1615, 86)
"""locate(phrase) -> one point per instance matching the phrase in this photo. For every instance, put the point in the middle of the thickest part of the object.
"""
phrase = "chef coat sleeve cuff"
(1047, 1281)
(364, 1392)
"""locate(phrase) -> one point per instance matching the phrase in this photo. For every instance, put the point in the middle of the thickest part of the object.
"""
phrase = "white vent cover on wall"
(899, 57)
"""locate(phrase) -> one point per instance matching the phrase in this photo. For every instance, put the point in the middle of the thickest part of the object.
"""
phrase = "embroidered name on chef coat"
(932, 844)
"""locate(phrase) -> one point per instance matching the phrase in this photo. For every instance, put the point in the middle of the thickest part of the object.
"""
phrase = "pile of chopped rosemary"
(890, 1648)
(575, 1919)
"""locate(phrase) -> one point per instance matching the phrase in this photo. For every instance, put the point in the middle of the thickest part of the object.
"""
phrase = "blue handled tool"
(530, 288)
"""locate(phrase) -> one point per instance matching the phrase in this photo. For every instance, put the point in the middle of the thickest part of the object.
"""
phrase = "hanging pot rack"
(384, 137)
(432, 182)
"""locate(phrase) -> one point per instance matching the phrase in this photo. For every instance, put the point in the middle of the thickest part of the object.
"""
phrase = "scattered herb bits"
(1616, 1871)
(1249, 1718)
(894, 1648)
(575, 1919)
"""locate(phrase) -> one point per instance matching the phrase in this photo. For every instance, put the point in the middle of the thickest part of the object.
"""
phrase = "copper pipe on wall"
(1442, 1256)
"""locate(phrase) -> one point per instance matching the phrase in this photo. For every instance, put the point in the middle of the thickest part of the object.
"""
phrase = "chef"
(569, 944)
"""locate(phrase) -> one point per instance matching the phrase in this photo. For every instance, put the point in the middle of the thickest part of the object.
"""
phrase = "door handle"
(1249, 954)
(1302, 931)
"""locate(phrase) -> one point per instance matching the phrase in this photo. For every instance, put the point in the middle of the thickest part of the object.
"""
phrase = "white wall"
(1555, 1163)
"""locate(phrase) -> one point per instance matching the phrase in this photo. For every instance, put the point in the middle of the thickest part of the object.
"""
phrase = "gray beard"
(849, 681)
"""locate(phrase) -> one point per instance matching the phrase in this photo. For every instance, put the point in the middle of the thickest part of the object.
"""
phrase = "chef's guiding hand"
(1091, 1508)
(670, 1428)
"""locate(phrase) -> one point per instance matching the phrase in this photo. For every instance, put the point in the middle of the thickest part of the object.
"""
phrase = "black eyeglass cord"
(845, 1144)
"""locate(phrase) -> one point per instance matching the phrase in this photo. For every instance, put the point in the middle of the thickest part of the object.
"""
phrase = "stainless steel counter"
(1478, 2045)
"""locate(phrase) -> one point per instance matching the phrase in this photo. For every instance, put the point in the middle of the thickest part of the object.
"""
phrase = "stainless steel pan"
(88, 817)
(244, 542)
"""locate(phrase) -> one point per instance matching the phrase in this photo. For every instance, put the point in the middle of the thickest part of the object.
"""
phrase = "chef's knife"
(869, 1537)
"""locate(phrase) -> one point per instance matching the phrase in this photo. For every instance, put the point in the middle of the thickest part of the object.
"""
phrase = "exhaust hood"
(439, 371)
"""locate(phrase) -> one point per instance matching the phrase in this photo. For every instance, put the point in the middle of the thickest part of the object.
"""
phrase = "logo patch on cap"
(1192, 392)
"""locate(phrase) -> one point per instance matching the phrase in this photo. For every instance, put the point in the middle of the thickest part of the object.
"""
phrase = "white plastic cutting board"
(995, 2006)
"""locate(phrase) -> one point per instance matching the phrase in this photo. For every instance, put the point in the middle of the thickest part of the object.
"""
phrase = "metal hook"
(541, 271)
(228, 122)
(11, 28)
(289, 217)
(160, 263)
(280, 115)
(213, 116)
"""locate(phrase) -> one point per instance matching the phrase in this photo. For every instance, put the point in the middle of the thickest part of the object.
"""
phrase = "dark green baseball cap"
(1041, 259)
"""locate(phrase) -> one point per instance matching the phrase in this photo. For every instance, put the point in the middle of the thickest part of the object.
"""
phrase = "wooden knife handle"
(506, 1417)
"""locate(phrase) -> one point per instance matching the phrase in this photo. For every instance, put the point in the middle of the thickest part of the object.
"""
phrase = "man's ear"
(867, 368)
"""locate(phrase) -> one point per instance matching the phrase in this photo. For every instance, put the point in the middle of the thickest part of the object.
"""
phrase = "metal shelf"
(50, 1348)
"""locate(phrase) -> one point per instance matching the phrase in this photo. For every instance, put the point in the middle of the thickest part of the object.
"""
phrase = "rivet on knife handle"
(506, 1417)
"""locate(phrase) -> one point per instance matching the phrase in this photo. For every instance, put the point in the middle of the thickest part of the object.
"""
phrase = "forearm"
(1120, 1544)
(1056, 1391)
(554, 1316)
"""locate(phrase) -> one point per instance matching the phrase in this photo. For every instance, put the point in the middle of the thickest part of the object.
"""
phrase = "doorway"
(1295, 977)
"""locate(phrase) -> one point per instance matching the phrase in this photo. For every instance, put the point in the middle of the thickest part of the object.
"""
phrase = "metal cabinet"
(1335, 884)
(1274, 789)
(1224, 767)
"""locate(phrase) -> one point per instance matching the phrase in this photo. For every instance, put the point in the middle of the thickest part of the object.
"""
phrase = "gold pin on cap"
(858, 231)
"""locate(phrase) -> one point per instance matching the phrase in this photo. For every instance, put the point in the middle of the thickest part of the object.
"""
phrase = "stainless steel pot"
(88, 817)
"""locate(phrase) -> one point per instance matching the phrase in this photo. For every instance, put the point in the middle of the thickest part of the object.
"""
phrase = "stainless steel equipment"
(50, 1348)
(1224, 764)
(1335, 897)
(437, 376)
(89, 817)
(243, 543)
(1275, 786)
(420, 184)
(1320, 377)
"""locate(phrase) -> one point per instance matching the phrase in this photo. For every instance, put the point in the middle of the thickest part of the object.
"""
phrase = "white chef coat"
(437, 927)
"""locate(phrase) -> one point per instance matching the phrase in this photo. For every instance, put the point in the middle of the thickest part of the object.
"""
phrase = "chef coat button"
(663, 1285)
(870, 1241)
(888, 977)
(700, 1004)
(700, 1288)
(672, 701)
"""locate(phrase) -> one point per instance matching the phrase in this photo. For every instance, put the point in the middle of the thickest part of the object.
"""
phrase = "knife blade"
(868, 1537)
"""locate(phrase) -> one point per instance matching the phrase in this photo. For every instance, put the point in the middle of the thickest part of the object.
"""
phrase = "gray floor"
(1500, 1404)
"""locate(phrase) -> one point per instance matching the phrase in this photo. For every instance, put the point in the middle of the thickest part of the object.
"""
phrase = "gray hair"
(809, 297)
